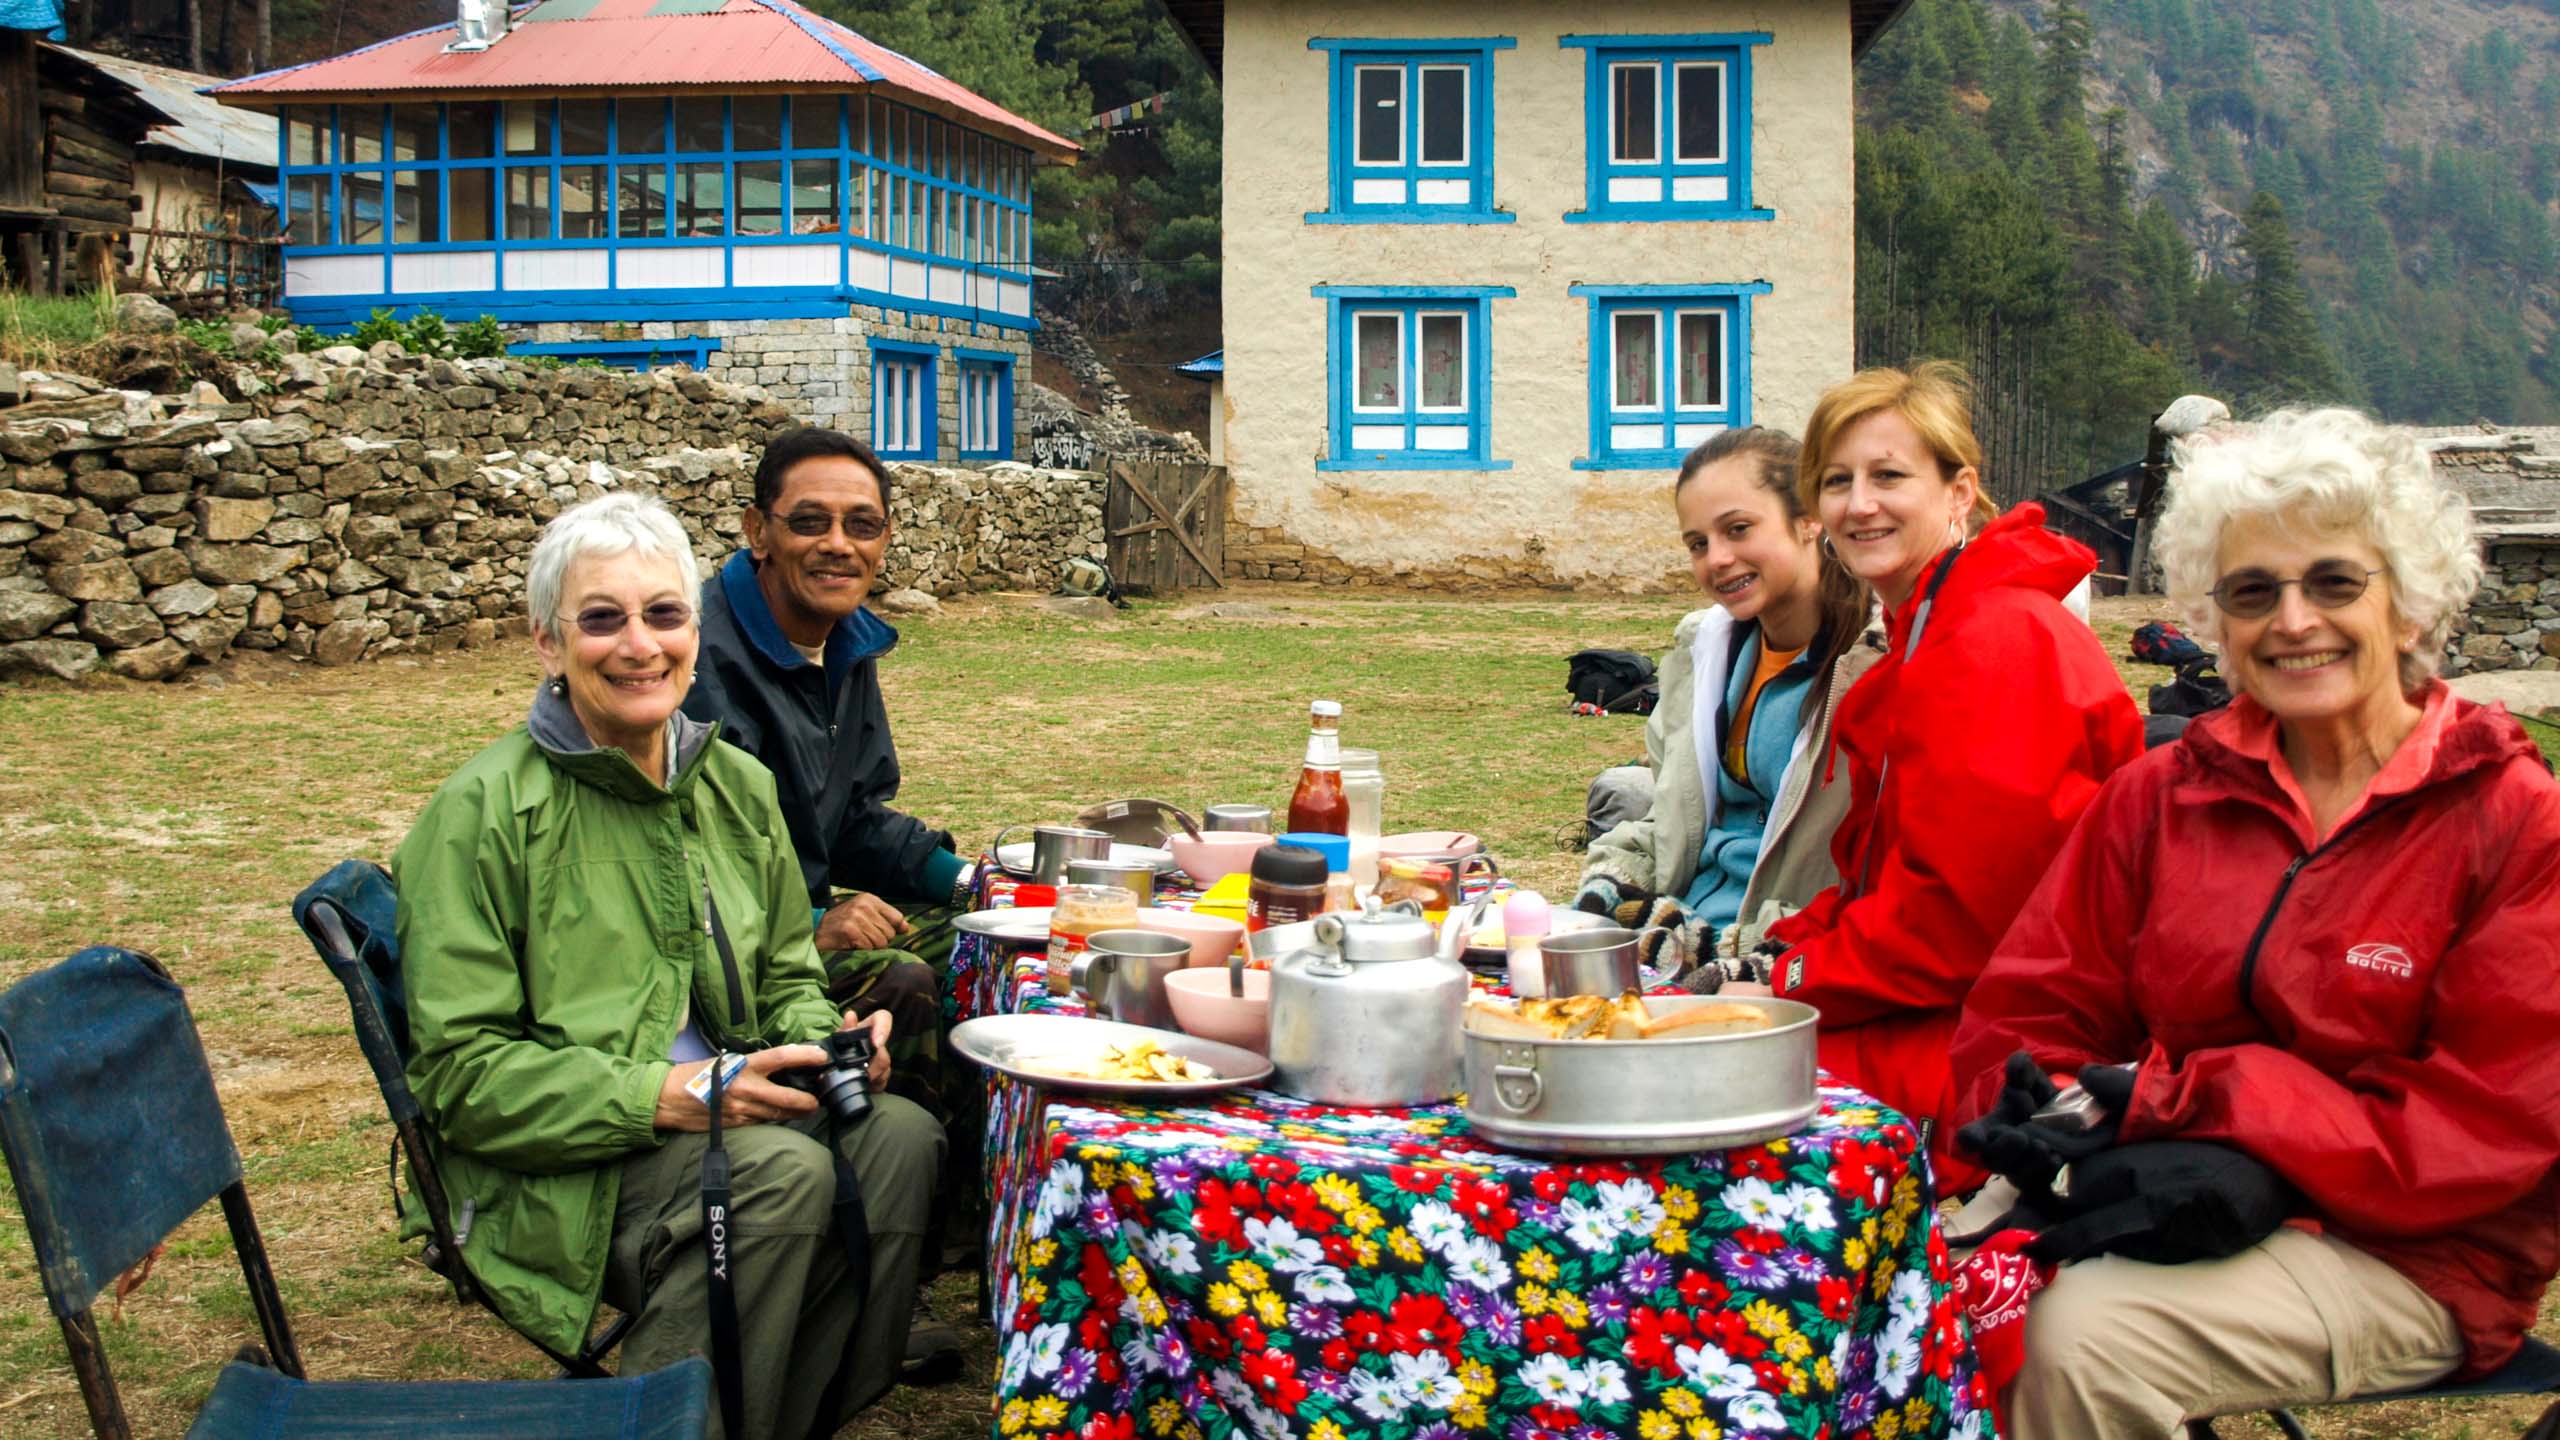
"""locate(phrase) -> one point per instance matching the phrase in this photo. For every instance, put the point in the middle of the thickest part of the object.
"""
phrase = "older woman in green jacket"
(566, 993)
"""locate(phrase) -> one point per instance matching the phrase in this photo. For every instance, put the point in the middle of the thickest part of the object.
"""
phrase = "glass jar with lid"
(1082, 911)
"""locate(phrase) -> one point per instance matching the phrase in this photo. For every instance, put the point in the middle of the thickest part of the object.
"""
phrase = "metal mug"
(1120, 973)
(1052, 846)
(1600, 961)
(1136, 877)
(1253, 819)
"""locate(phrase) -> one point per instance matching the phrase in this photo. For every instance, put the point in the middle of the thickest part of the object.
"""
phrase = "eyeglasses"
(814, 524)
(2254, 594)
(603, 622)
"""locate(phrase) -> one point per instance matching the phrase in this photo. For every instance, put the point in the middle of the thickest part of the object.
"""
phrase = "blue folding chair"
(114, 1137)
(350, 914)
(2535, 1370)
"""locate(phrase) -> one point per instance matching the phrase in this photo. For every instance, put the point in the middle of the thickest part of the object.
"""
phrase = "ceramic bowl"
(1432, 844)
(1202, 1007)
(1212, 937)
(1217, 854)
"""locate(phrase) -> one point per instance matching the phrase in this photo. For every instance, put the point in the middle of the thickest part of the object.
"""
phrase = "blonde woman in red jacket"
(2325, 928)
(1971, 747)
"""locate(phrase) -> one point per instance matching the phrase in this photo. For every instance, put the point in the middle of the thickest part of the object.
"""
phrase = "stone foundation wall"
(820, 370)
(358, 504)
(2514, 622)
(1260, 552)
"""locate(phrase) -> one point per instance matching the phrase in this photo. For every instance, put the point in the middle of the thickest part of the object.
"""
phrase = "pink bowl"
(1202, 1006)
(1212, 937)
(1217, 854)
(1427, 844)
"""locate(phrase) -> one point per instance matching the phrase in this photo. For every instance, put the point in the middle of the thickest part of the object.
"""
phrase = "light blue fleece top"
(1732, 845)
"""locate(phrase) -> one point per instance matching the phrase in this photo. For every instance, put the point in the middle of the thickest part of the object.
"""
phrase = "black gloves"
(2166, 1202)
(2029, 1151)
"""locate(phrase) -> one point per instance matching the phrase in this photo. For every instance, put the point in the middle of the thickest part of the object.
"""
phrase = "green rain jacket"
(553, 934)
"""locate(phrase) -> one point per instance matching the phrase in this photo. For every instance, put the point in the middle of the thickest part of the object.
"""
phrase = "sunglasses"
(2330, 584)
(603, 622)
(814, 524)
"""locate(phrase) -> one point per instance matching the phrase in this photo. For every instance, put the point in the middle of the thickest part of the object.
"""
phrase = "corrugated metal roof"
(199, 126)
(632, 45)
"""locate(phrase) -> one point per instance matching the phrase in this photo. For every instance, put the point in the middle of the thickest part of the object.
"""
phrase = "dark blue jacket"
(825, 735)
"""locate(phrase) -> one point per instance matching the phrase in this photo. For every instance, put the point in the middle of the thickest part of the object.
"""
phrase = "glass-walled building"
(675, 169)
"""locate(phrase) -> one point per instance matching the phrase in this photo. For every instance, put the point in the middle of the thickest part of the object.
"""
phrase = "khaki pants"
(2120, 1348)
(798, 1323)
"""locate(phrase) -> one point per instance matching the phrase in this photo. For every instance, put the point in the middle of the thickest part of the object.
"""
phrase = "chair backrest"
(108, 1116)
(351, 914)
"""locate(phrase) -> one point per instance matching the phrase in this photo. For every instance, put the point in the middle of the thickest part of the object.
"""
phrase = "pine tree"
(2282, 355)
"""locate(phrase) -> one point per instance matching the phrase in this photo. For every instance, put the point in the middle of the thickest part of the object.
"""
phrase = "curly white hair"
(2324, 472)
(606, 525)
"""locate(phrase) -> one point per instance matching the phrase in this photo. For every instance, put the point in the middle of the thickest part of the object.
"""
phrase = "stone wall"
(1269, 552)
(2514, 622)
(357, 504)
(820, 370)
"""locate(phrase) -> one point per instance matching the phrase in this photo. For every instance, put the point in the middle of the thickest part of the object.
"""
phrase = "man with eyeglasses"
(790, 668)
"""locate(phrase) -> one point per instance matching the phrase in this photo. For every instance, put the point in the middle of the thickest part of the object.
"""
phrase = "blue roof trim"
(1715, 290)
(1213, 363)
(811, 26)
(307, 64)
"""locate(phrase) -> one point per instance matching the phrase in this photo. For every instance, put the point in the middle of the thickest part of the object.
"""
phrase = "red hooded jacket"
(1993, 735)
(2376, 1015)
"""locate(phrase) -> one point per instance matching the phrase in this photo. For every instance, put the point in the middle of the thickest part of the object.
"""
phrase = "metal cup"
(1253, 819)
(1138, 878)
(1121, 974)
(1589, 962)
(1052, 846)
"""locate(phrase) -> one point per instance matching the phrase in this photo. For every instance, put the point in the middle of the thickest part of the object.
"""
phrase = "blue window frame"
(986, 404)
(1670, 366)
(1410, 372)
(1411, 131)
(1667, 127)
(640, 355)
(902, 401)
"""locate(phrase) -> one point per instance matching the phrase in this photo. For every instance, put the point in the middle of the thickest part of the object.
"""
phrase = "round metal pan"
(1646, 1097)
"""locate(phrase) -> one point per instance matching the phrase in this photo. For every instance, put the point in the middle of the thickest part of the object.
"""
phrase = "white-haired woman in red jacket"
(2325, 929)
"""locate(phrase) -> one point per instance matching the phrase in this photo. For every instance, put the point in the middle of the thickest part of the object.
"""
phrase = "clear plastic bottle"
(1364, 789)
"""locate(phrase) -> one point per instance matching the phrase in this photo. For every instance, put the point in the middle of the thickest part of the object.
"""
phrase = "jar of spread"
(1287, 886)
(1082, 911)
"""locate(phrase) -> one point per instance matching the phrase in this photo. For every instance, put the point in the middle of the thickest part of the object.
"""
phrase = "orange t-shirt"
(1738, 734)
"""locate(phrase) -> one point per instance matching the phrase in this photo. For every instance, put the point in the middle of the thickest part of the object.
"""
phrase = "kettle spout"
(1461, 923)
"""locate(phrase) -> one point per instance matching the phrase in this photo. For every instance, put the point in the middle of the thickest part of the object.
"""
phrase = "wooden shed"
(67, 145)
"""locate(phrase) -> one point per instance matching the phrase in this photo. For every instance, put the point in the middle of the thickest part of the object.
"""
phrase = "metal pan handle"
(1518, 1088)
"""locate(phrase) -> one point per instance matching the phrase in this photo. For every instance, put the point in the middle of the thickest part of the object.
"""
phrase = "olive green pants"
(908, 982)
(799, 1321)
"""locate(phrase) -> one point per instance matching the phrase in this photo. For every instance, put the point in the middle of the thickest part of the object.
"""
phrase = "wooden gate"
(1167, 523)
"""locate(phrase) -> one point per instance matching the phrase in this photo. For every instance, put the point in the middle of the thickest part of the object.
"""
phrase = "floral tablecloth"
(1261, 1266)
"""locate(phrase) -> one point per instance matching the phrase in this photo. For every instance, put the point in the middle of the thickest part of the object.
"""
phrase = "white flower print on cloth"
(1754, 1410)
(1590, 1227)
(1378, 1396)
(1276, 1243)
(1323, 1284)
(1171, 1252)
(1758, 1204)
(1604, 1382)
(1897, 1359)
(1425, 1379)
(1437, 1227)
(1479, 1263)
(1631, 1206)
(1553, 1379)
(1812, 1208)
(1061, 1195)
(1712, 1370)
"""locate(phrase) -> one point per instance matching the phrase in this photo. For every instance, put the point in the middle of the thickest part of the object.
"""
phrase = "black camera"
(843, 1084)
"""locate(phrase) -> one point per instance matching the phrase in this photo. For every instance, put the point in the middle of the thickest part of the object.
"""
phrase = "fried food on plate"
(1589, 1017)
(1139, 1060)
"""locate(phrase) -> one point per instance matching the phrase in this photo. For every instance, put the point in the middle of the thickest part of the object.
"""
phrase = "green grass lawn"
(181, 819)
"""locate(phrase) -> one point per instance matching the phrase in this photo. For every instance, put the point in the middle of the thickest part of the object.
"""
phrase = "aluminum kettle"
(1366, 1010)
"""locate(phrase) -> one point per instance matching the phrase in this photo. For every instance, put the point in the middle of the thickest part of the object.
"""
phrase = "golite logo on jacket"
(2383, 959)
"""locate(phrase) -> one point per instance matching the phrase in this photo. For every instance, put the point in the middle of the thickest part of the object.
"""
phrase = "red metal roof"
(621, 45)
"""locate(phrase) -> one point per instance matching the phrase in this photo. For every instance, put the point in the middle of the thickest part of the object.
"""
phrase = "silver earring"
(559, 684)
(1955, 533)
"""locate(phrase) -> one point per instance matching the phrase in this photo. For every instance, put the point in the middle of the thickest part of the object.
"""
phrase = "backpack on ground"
(1611, 682)
(2161, 643)
(2198, 689)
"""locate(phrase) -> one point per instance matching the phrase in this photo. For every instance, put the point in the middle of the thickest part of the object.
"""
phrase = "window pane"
(640, 126)
(875, 138)
(1444, 115)
(414, 133)
(471, 215)
(1634, 126)
(702, 200)
(1699, 111)
(698, 126)
(1380, 112)
(915, 216)
(582, 127)
(813, 122)
(361, 133)
(758, 119)
(308, 210)
(416, 207)
(362, 223)
(1444, 362)
(528, 127)
(1701, 360)
(759, 197)
(582, 201)
(471, 129)
(642, 199)
(306, 137)
(528, 201)
(1379, 362)
(813, 197)
(1638, 359)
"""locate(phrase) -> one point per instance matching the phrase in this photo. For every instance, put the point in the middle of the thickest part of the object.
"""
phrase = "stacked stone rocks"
(2514, 620)
(365, 503)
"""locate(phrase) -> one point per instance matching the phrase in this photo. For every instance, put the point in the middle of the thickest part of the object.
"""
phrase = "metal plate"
(1666, 1096)
(1021, 925)
(1016, 858)
(1016, 1045)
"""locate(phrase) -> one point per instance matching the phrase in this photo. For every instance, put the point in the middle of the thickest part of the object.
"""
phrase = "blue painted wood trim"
(1705, 40)
(1410, 55)
(1476, 301)
(808, 26)
(926, 358)
(1410, 215)
(1413, 292)
(1669, 292)
(1433, 460)
(1485, 42)
(1659, 214)
(1602, 51)
(904, 347)
(1002, 364)
(1665, 300)
(691, 350)
(712, 303)
(988, 357)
